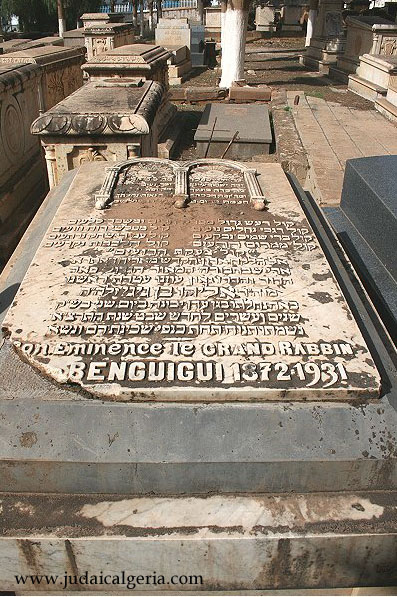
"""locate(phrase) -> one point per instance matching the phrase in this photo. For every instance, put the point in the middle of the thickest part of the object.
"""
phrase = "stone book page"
(133, 298)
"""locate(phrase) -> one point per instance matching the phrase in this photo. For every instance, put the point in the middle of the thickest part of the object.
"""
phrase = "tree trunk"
(112, 5)
(234, 20)
(150, 4)
(159, 10)
(135, 13)
(311, 21)
(61, 18)
(141, 19)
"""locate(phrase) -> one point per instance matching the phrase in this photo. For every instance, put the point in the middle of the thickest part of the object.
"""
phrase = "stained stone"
(102, 121)
(221, 122)
(230, 299)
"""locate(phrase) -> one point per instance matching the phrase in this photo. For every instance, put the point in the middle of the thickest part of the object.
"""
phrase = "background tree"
(159, 10)
(61, 18)
(234, 20)
(41, 15)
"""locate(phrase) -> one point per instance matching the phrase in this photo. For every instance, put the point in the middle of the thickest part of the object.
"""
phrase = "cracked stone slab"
(220, 301)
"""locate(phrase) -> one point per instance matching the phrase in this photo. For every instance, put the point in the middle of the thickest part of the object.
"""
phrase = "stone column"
(51, 162)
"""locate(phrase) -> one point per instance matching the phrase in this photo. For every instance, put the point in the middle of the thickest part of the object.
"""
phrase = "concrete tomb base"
(388, 105)
(374, 75)
(186, 329)
(365, 35)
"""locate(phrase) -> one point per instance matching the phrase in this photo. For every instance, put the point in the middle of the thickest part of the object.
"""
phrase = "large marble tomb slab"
(228, 299)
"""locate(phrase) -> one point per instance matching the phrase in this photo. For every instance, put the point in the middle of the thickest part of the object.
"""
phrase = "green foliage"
(34, 15)
(75, 8)
(41, 15)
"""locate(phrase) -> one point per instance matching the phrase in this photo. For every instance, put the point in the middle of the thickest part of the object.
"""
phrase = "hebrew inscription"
(140, 300)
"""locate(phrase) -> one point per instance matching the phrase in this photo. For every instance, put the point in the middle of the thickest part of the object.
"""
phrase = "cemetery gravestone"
(174, 33)
(102, 121)
(61, 69)
(230, 299)
(367, 222)
(365, 35)
(142, 61)
(247, 125)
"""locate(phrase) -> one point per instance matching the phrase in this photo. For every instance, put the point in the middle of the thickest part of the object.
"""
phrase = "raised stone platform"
(374, 76)
(228, 543)
(116, 249)
(102, 121)
(247, 125)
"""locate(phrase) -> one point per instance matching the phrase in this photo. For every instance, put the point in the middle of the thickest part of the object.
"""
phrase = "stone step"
(228, 542)
(365, 88)
(338, 74)
(169, 141)
(197, 94)
(386, 108)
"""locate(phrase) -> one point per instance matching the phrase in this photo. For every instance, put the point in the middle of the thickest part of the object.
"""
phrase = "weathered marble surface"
(103, 37)
(128, 61)
(215, 297)
(102, 121)
(61, 69)
(220, 542)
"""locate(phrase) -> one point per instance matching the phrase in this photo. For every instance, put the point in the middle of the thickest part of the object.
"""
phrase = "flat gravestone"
(230, 299)
(248, 125)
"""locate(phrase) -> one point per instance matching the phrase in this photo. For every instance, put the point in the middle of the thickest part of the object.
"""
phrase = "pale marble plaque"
(231, 298)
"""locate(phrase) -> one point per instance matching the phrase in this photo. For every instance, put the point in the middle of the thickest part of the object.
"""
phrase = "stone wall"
(31, 81)
(22, 171)
(181, 13)
(61, 70)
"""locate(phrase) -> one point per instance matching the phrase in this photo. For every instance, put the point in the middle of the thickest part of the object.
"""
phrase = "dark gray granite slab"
(251, 121)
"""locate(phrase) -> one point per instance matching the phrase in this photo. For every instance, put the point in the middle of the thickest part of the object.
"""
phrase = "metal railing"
(127, 6)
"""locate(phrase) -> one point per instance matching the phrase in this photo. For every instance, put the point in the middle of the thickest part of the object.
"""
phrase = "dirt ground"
(274, 62)
(280, 68)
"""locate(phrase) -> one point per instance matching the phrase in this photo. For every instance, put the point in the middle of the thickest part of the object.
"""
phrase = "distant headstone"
(74, 38)
(105, 36)
(248, 125)
(144, 61)
(230, 299)
(92, 19)
(173, 33)
(265, 18)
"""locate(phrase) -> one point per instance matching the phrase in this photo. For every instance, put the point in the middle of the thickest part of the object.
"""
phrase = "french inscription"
(215, 302)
